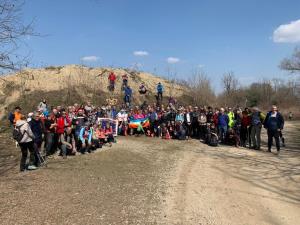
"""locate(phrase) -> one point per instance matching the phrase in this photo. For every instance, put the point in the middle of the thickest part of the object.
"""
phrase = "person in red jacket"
(62, 122)
(112, 78)
(245, 123)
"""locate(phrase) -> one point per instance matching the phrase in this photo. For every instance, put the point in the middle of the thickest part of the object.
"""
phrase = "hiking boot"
(269, 150)
(32, 167)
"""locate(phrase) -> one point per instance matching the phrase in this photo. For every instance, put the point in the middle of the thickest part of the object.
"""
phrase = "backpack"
(11, 117)
(17, 134)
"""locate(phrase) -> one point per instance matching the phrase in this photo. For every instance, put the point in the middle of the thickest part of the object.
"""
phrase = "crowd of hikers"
(81, 129)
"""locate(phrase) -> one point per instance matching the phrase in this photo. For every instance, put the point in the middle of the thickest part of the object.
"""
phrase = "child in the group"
(85, 139)
(109, 134)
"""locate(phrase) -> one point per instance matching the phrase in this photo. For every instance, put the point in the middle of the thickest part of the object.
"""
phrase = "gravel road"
(151, 181)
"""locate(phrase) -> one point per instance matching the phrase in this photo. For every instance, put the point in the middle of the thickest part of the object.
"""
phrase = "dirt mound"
(76, 83)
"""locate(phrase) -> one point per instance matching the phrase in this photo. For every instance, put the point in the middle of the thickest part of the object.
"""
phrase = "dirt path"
(151, 181)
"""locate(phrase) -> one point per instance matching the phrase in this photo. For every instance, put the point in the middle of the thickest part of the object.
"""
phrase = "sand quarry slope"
(59, 78)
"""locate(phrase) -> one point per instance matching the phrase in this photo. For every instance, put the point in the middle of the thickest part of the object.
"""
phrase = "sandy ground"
(150, 181)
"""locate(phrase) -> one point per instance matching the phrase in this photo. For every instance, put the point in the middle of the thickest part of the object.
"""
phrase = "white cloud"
(173, 60)
(140, 53)
(201, 66)
(91, 58)
(287, 33)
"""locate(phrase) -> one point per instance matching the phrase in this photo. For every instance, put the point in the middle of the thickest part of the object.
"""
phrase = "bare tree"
(12, 33)
(292, 64)
(230, 83)
(201, 89)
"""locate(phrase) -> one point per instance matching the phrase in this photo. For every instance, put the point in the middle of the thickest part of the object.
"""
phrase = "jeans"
(160, 96)
(49, 143)
(24, 149)
(275, 134)
(255, 135)
(222, 132)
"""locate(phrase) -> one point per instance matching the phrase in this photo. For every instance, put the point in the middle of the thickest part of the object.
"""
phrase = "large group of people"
(81, 129)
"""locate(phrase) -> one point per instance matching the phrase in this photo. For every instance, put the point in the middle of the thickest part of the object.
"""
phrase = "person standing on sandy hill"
(160, 90)
(274, 123)
(43, 106)
(112, 79)
(125, 81)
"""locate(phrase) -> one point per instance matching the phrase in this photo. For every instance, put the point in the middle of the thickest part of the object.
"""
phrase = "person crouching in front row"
(85, 139)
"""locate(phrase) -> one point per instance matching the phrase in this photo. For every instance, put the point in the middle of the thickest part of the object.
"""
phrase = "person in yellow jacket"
(230, 115)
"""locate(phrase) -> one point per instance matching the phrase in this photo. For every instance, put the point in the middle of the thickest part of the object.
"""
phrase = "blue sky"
(216, 36)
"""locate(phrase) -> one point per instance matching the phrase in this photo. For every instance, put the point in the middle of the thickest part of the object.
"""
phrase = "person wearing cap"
(257, 119)
(274, 123)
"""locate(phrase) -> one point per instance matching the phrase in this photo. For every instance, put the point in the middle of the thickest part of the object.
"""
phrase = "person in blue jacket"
(223, 121)
(128, 95)
(274, 123)
(160, 90)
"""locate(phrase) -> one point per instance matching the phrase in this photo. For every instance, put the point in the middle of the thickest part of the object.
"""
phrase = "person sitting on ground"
(100, 135)
(26, 144)
(109, 134)
(164, 132)
(85, 139)
(232, 138)
(122, 118)
(66, 143)
(180, 131)
(212, 138)
(142, 89)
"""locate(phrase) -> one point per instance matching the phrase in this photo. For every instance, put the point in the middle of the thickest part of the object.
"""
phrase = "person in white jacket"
(26, 144)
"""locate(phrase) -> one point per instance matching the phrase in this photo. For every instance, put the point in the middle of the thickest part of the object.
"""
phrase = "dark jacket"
(274, 123)
(37, 129)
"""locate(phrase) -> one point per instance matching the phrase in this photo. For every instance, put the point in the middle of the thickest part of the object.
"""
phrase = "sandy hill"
(71, 83)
